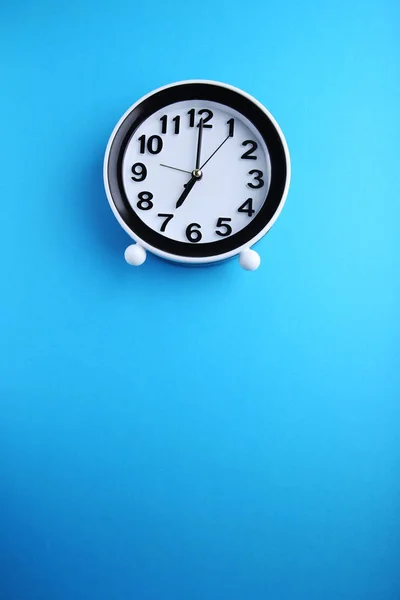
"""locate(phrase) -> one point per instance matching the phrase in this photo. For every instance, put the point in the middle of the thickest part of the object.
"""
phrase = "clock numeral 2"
(247, 207)
(167, 218)
(227, 228)
(203, 111)
(145, 202)
(154, 144)
(192, 234)
(249, 153)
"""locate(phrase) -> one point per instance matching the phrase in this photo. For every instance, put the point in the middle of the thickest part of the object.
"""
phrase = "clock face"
(197, 170)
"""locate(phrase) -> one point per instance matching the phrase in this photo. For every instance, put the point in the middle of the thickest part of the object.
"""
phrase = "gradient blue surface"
(168, 433)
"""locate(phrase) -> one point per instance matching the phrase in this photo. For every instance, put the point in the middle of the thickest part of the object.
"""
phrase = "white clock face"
(196, 171)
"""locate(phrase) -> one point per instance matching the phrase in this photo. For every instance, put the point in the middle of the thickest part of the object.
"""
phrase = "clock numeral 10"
(154, 144)
(175, 120)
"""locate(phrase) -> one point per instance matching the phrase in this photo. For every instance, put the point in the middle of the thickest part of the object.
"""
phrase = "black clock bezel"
(207, 92)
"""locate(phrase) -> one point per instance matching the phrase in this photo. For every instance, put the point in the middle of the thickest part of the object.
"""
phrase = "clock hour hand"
(188, 187)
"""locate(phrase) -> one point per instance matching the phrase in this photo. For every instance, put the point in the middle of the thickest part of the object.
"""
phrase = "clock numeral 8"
(145, 202)
(193, 235)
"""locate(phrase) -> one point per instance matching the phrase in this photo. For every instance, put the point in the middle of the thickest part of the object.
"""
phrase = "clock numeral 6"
(247, 207)
(145, 202)
(192, 234)
(154, 144)
(257, 177)
(227, 228)
(139, 172)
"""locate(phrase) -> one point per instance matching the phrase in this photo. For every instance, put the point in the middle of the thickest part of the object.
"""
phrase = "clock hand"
(199, 141)
(188, 187)
(175, 168)
(215, 152)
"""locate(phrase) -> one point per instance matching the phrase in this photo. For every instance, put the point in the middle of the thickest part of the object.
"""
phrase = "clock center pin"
(198, 173)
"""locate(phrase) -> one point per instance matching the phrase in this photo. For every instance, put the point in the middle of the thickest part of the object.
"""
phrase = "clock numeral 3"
(204, 111)
(257, 177)
(154, 144)
(192, 234)
(227, 228)
(167, 218)
(249, 153)
(247, 207)
(145, 202)
(139, 172)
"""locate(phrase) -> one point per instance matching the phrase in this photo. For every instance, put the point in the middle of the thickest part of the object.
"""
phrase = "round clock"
(196, 172)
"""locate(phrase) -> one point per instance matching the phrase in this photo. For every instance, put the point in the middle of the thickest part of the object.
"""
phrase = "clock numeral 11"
(175, 120)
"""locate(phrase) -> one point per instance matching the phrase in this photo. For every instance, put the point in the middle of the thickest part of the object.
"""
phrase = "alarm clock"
(196, 172)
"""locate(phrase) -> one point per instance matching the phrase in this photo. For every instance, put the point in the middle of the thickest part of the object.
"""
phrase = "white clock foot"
(249, 260)
(135, 255)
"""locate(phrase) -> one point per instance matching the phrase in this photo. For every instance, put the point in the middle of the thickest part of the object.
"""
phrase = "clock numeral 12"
(204, 111)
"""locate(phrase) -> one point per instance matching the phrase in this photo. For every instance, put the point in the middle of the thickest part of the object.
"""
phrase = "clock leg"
(249, 259)
(135, 255)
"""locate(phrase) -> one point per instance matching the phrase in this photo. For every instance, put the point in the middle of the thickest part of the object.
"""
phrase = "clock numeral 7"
(167, 218)
(227, 228)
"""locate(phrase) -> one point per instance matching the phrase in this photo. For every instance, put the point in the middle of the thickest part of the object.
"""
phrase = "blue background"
(170, 433)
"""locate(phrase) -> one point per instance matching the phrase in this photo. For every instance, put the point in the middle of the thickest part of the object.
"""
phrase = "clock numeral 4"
(247, 207)
(249, 153)
(139, 172)
(145, 201)
(192, 232)
(257, 177)
(227, 229)
(167, 218)
(204, 111)
(154, 144)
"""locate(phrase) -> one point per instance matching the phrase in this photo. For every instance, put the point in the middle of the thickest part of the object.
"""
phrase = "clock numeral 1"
(227, 229)
(249, 153)
(167, 218)
(247, 207)
(192, 234)
(204, 111)
(145, 201)
(175, 120)
(154, 144)
(231, 124)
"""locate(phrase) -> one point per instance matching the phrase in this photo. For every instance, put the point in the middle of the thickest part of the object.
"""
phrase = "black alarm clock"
(196, 172)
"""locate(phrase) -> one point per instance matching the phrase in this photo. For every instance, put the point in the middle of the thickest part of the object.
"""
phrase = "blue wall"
(206, 434)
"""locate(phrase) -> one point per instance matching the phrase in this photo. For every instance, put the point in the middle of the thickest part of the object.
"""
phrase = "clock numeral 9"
(192, 234)
(249, 153)
(227, 228)
(257, 177)
(145, 202)
(139, 172)
(154, 144)
(204, 111)
(247, 207)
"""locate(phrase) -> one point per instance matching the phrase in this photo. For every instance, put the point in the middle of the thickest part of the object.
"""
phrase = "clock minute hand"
(188, 186)
(199, 142)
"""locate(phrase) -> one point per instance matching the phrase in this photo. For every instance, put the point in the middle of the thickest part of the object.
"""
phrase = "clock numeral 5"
(154, 144)
(167, 218)
(227, 228)
(192, 234)
(257, 177)
(204, 111)
(145, 202)
(139, 172)
(247, 207)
